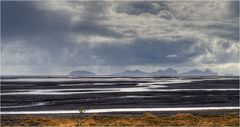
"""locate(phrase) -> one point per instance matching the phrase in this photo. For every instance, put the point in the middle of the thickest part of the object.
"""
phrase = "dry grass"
(147, 119)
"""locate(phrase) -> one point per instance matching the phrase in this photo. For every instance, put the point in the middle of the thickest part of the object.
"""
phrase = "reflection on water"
(21, 95)
(123, 110)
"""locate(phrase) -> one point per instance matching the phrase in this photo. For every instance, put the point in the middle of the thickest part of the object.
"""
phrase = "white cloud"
(172, 56)
(209, 27)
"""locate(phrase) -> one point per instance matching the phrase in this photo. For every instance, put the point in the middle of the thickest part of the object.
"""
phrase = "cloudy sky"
(52, 37)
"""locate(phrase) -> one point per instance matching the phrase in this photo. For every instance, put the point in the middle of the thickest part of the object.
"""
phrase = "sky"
(50, 37)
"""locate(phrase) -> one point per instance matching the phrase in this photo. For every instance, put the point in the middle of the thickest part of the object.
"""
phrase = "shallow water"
(49, 95)
(122, 110)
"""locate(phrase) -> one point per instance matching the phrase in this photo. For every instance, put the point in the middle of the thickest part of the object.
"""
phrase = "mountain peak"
(196, 72)
(208, 70)
(167, 72)
(136, 70)
(171, 70)
(132, 73)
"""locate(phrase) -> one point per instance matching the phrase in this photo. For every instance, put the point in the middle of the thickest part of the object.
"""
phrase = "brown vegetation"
(147, 119)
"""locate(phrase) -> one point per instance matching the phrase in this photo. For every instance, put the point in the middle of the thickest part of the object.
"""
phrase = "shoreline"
(126, 111)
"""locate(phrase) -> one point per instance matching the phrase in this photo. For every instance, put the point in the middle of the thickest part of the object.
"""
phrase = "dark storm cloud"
(37, 29)
(92, 28)
(147, 51)
(228, 30)
(22, 19)
(137, 8)
(94, 12)
(225, 30)
(199, 10)
(82, 33)
(26, 27)
(46, 31)
(19, 18)
(235, 8)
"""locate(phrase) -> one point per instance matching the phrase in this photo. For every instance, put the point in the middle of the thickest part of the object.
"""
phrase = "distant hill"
(136, 73)
(196, 72)
(81, 73)
(170, 72)
(167, 72)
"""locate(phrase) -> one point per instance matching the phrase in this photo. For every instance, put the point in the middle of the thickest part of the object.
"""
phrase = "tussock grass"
(147, 119)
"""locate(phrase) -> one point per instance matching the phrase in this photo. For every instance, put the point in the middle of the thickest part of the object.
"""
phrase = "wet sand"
(109, 93)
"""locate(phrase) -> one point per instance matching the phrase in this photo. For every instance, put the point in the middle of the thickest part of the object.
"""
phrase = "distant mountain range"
(81, 73)
(195, 72)
(167, 72)
(131, 73)
(170, 72)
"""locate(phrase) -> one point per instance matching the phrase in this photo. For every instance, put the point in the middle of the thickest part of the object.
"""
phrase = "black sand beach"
(47, 94)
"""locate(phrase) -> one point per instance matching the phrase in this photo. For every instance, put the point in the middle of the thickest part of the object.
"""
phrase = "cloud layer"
(55, 37)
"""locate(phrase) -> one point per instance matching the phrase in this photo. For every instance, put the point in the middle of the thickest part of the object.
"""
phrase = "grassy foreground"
(147, 119)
